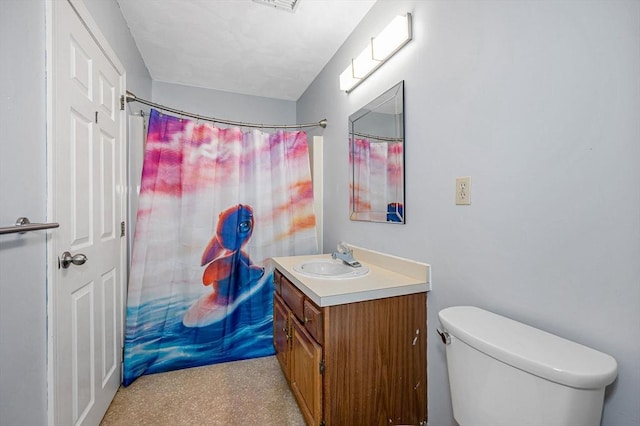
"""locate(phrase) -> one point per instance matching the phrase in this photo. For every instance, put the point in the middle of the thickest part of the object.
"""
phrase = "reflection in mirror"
(376, 159)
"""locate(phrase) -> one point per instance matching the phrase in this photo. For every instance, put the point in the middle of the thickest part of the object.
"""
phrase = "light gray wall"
(224, 105)
(23, 340)
(23, 192)
(539, 102)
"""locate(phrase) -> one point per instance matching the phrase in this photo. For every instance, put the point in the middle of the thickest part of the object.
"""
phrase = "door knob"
(67, 259)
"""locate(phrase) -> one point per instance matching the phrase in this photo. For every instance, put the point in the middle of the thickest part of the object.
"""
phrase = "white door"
(87, 199)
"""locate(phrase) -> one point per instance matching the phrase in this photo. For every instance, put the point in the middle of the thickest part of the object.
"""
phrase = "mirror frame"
(395, 208)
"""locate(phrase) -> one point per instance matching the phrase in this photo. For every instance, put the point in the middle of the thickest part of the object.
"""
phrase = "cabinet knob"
(306, 320)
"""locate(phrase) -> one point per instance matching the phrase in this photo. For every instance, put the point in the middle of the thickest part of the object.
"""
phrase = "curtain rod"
(133, 98)
(379, 138)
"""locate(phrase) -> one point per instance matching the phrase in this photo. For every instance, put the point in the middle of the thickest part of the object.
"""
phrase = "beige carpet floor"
(250, 392)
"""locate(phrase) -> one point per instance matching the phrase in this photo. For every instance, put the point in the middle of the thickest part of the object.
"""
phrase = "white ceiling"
(241, 46)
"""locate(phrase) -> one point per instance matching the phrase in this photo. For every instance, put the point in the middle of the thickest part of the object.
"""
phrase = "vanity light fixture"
(378, 51)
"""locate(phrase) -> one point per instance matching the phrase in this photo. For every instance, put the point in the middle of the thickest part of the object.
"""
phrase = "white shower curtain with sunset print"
(215, 204)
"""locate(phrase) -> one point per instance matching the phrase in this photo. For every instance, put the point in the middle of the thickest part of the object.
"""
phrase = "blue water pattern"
(160, 342)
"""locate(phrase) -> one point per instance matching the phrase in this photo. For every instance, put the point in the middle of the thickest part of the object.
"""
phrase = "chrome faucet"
(345, 254)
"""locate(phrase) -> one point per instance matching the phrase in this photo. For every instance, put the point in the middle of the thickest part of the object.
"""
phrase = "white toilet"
(505, 373)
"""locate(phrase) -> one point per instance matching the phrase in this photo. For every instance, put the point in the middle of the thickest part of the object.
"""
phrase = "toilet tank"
(505, 373)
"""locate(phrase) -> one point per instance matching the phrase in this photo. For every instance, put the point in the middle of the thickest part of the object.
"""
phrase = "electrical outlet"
(463, 190)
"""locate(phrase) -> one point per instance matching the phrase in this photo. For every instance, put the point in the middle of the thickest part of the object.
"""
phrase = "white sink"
(330, 269)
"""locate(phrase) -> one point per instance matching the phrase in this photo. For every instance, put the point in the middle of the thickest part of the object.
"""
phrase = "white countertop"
(380, 282)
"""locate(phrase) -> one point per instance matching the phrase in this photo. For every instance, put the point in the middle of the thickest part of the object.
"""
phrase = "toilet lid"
(530, 349)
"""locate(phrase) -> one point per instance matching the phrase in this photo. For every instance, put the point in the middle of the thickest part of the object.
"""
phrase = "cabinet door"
(375, 352)
(281, 333)
(306, 379)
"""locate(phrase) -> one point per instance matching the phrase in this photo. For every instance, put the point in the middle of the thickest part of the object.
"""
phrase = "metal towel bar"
(23, 225)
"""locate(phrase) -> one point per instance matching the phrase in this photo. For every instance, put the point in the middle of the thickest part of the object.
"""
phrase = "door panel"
(107, 186)
(80, 68)
(83, 379)
(110, 344)
(80, 153)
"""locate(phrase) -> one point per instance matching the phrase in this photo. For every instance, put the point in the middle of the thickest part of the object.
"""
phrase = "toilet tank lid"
(530, 349)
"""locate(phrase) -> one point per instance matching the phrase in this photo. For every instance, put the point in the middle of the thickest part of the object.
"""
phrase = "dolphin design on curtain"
(215, 204)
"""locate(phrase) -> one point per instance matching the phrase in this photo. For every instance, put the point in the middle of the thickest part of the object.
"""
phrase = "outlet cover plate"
(463, 190)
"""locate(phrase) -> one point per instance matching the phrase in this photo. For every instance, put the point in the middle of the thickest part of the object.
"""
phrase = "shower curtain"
(376, 180)
(215, 204)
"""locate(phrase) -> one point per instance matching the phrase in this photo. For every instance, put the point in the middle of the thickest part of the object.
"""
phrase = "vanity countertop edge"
(388, 276)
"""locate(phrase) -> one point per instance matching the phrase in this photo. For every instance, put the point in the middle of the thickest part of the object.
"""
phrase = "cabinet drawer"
(277, 280)
(292, 297)
(313, 320)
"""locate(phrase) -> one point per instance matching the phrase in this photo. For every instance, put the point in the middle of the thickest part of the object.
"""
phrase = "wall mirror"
(376, 159)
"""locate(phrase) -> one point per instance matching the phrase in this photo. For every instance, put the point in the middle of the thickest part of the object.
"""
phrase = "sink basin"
(329, 269)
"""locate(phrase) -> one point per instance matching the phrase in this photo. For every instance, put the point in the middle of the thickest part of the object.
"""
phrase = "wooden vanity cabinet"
(361, 363)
